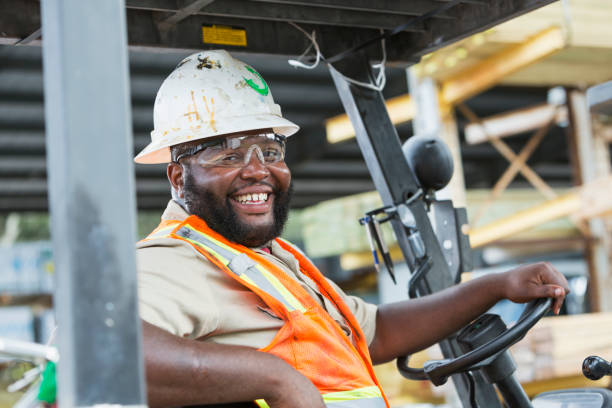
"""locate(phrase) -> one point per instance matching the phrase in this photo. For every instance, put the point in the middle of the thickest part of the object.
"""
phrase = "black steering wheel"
(438, 371)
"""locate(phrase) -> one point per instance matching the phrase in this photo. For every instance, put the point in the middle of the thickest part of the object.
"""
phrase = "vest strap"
(243, 266)
(241, 263)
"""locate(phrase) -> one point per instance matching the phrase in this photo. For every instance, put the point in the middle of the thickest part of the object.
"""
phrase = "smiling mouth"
(252, 199)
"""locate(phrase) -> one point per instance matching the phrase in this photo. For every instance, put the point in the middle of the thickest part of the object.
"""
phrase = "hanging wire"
(313, 43)
(381, 77)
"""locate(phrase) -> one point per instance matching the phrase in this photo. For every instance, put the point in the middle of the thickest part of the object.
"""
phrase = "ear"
(175, 174)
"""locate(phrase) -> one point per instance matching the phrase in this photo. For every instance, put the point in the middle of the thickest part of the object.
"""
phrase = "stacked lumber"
(556, 346)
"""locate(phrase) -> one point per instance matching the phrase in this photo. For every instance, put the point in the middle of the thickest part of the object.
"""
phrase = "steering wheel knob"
(594, 367)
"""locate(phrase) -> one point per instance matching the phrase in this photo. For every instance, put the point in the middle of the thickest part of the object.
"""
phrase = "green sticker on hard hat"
(261, 90)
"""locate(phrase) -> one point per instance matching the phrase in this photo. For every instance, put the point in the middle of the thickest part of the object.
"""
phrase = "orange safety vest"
(310, 340)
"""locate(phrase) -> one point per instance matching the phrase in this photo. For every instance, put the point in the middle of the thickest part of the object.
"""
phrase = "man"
(232, 313)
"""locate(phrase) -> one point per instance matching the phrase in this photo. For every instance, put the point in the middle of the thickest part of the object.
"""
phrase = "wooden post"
(433, 118)
(591, 159)
(450, 134)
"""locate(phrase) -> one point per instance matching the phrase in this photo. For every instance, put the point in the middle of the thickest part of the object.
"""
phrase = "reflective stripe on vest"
(242, 266)
(368, 397)
(163, 232)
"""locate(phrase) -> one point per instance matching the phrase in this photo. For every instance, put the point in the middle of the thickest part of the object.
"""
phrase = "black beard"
(220, 216)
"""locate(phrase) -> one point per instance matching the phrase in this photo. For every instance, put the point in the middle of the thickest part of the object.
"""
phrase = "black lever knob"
(594, 367)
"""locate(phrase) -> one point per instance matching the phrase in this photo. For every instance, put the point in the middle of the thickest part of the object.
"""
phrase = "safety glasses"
(236, 151)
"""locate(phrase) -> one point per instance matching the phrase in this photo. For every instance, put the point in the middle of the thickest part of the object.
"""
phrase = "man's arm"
(182, 372)
(405, 327)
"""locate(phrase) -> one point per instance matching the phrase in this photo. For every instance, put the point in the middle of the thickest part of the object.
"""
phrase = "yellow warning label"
(224, 35)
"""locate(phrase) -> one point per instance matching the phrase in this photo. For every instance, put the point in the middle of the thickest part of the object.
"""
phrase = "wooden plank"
(464, 84)
(514, 122)
(584, 61)
(401, 109)
(518, 162)
(488, 72)
(523, 220)
(331, 227)
(509, 154)
(557, 345)
(589, 23)
(562, 206)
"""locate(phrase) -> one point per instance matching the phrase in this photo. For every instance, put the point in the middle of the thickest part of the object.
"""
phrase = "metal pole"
(92, 202)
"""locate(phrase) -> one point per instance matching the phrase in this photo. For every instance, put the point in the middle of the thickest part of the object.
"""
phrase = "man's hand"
(406, 327)
(534, 281)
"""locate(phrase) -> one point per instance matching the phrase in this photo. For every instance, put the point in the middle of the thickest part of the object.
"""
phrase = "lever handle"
(594, 367)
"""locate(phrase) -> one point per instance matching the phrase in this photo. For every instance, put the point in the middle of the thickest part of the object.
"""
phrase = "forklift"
(348, 37)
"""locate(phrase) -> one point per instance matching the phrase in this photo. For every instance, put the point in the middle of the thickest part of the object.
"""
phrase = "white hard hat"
(210, 94)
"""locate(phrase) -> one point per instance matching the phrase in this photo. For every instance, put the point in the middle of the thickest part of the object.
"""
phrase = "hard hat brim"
(158, 151)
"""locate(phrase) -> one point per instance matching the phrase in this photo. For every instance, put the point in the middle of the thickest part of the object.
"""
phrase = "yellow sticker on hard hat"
(261, 90)
(224, 35)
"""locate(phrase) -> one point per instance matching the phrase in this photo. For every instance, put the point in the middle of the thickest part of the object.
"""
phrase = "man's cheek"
(283, 175)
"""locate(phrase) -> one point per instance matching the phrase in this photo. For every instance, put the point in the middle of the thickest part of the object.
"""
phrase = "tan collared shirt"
(182, 292)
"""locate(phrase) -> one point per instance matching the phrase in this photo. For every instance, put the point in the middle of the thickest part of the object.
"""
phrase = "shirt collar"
(174, 211)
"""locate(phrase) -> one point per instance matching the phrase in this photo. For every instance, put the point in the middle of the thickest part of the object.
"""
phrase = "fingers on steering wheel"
(555, 277)
(557, 305)
(558, 293)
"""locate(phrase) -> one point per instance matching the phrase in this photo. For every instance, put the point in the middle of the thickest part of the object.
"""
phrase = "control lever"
(375, 236)
(594, 367)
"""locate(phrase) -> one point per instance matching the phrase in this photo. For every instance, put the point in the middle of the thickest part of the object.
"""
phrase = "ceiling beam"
(411, 8)
(286, 12)
(182, 13)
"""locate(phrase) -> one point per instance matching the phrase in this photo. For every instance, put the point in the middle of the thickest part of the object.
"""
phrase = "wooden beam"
(514, 122)
(488, 72)
(339, 128)
(466, 83)
(518, 162)
(597, 194)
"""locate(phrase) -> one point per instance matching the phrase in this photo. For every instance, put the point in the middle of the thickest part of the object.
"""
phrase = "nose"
(254, 169)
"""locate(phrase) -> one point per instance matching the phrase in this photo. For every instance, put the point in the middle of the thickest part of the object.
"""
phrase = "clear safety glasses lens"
(237, 151)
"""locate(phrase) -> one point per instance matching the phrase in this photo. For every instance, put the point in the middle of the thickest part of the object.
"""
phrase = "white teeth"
(255, 198)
